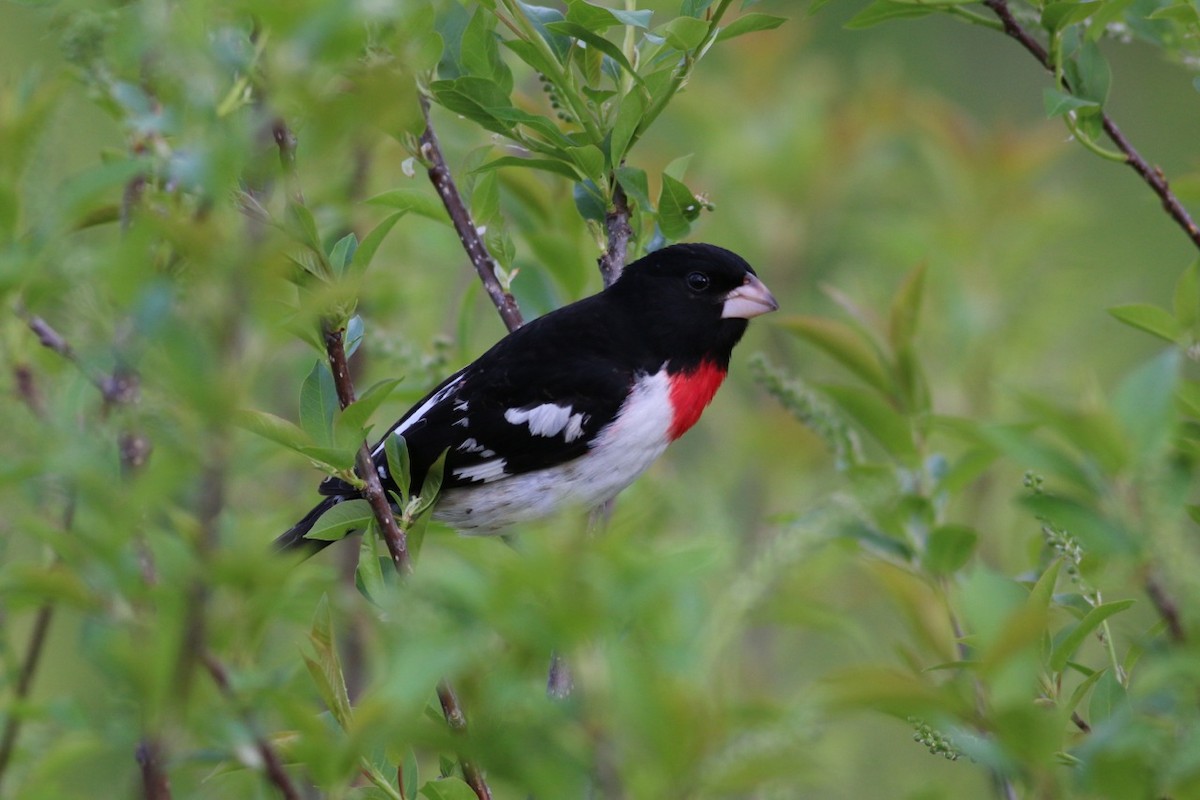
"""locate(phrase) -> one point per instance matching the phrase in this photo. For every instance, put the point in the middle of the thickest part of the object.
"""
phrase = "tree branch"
(154, 780)
(372, 491)
(1166, 607)
(272, 763)
(468, 234)
(1153, 176)
(457, 721)
(616, 227)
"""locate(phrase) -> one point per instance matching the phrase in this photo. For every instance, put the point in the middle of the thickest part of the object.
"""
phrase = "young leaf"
(1066, 647)
(350, 425)
(636, 185)
(629, 117)
(480, 54)
(1186, 299)
(750, 23)
(343, 253)
(545, 164)
(948, 549)
(590, 161)
(395, 450)
(447, 789)
(1144, 403)
(677, 208)
(597, 41)
(373, 564)
(318, 403)
(1058, 102)
(1148, 318)
(877, 418)
(1108, 698)
(906, 308)
(304, 226)
(684, 33)
(845, 345)
(432, 484)
(355, 330)
(415, 200)
(341, 520)
(370, 243)
(884, 10)
(326, 669)
(277, 429)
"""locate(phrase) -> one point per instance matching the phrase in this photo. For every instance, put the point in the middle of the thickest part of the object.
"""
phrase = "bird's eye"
(697, 281)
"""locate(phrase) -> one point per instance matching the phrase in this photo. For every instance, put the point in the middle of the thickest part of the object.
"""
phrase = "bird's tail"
(292, 540)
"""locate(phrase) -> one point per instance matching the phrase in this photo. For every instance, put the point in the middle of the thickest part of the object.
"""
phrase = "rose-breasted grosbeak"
(572, 407)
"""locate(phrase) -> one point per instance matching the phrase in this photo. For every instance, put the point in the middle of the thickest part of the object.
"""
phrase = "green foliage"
(968, 523)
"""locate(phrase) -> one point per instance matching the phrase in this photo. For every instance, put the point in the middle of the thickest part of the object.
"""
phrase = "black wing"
(535, 400)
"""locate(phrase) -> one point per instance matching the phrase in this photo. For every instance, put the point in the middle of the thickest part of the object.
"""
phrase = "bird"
(570, 408)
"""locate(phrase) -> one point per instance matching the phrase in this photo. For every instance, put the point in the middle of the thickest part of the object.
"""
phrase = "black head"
(692, 301)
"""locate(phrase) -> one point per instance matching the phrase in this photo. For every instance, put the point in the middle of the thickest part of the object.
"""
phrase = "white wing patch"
(484, 471)
(472, 446)
(421, 411)
(549, 419)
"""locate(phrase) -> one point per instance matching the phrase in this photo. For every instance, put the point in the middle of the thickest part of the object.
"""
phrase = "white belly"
(621, 452)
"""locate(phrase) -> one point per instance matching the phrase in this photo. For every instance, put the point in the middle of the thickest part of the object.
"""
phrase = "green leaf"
(341, 520)
(415, 200)
(636, 185)
(485, 198)
(629, 116)
(877, 418)
(351, 424)
(684, 33)
(412, 773)
(590, 161)
(906, 308)
(1186, 299)
(480, 52)
(373, 564)
(432, 485)
(395, 449)
(1188, 393)
(1097, 533)
(1058, 102)
(597, 41)
(1023, 447)
(885, 10)
(371, 242)
(1109, 698)
(1059, 15)
(1066, 647)
(304, 227)
(326, 669)
(478, 99)
(844, 344)
(447, 789)
(544, 164)
(1144, 403)
(343, 253)
(948, 549)
(1082, 689)
(1042, 592)
(533, 55)
(1148, 318)
(1090, 73)
(277, 429)
(677, 208)
(750, 23)
(1183, 13)
(318, 404)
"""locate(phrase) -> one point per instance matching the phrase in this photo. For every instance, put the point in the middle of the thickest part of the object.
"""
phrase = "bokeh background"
(833, 158)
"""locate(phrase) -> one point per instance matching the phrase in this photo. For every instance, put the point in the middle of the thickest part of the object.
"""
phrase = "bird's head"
(693, 299)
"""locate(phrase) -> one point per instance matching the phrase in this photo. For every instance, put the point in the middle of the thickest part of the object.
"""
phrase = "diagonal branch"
(372, 491)
(1153, 176)
(468, 233)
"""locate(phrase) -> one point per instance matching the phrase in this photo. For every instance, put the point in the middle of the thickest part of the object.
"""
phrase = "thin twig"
(468, 234)
(372, 491)
(457, 721)
(272, 763)
(616, 226)
(1166, 607)
(154, 779)
(33, 655)
(1153, 176)
(1080, 723)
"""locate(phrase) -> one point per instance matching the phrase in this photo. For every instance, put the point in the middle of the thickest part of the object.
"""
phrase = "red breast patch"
(690, 393)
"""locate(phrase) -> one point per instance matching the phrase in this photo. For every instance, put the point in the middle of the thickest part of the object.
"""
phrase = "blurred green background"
(834, 158)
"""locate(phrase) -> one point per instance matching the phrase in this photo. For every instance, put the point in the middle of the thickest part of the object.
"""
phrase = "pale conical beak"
(749, 300)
